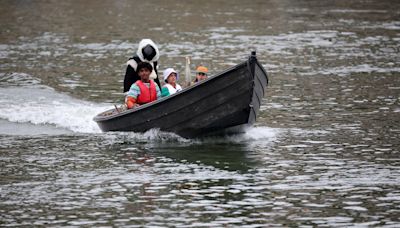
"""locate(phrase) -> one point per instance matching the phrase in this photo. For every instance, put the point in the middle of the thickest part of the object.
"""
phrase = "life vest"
(146, 94)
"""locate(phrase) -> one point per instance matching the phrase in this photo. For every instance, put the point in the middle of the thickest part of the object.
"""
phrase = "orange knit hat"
(202, 69)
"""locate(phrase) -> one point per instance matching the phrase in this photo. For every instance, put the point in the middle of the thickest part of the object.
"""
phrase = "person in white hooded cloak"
(147, 52)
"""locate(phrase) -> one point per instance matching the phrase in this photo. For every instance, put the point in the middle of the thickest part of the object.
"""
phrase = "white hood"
(139, 53)
(168, 71)
(143, 44)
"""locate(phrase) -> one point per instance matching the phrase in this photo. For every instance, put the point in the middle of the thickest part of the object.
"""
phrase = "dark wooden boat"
(224, 103)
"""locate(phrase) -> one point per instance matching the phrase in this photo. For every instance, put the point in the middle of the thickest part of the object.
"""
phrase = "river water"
(324, 151)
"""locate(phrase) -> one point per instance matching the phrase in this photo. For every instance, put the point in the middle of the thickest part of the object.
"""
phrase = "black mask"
(148, 52)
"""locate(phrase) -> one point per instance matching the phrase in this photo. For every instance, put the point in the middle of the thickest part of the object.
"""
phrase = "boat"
(225, 103)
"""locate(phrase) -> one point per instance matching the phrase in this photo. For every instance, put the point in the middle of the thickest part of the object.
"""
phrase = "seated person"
(201, 73)
(170, 78)
(144, 90)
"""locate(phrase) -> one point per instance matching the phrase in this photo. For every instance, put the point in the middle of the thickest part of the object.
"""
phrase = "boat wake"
(256, 133)
(253, 134)
(151, 136)
(39, 105)
(28, 107)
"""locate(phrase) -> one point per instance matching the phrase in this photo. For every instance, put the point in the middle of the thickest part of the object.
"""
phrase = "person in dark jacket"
(147, 52)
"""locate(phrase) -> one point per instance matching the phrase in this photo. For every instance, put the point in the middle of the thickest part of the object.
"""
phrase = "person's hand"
(130, 102)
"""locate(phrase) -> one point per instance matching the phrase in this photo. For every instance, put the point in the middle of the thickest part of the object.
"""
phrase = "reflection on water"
(324, 151)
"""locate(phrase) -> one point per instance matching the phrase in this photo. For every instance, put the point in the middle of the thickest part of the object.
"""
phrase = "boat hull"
(225, 103)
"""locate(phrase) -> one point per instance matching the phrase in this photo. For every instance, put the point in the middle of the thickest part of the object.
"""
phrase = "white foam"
(42, 106)
(254, 136)
(258, 133)
(152, 135)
